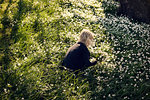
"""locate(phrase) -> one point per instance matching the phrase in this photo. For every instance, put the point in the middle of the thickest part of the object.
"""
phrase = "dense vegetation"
(35, 35)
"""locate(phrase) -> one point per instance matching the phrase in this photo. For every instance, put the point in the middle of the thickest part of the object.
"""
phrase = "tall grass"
(36, 34)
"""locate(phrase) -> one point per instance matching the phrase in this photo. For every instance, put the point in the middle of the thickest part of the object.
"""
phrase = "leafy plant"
(35, 35)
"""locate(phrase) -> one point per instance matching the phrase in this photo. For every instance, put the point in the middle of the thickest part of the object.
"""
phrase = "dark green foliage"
(35, 35)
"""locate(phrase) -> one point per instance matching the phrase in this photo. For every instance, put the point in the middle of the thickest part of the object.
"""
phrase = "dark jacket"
(77, 57)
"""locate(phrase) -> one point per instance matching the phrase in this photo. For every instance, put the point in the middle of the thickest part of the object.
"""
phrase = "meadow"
(35, 35)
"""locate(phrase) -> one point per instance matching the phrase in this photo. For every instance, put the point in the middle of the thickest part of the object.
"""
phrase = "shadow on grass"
(8, 76)
(5, 39)
(1, 1)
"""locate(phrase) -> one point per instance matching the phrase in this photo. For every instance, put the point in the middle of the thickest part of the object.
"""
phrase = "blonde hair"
(86, 36)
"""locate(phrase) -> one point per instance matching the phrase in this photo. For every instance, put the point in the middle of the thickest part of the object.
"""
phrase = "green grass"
(35, 35)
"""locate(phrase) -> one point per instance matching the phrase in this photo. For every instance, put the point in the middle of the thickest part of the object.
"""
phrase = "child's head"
(86, 37)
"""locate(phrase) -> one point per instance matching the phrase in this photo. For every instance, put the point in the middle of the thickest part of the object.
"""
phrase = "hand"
(94, 62)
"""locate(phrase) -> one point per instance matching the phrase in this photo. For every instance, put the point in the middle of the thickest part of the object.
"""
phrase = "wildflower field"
(35, 35)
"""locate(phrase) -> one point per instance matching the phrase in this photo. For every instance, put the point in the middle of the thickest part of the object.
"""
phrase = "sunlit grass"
(37, 34)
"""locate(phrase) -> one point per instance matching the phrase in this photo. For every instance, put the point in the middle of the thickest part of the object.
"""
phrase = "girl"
(77, 56)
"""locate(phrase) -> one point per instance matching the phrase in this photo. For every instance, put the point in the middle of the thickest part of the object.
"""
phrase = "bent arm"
(88, 63)
(86, 58)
